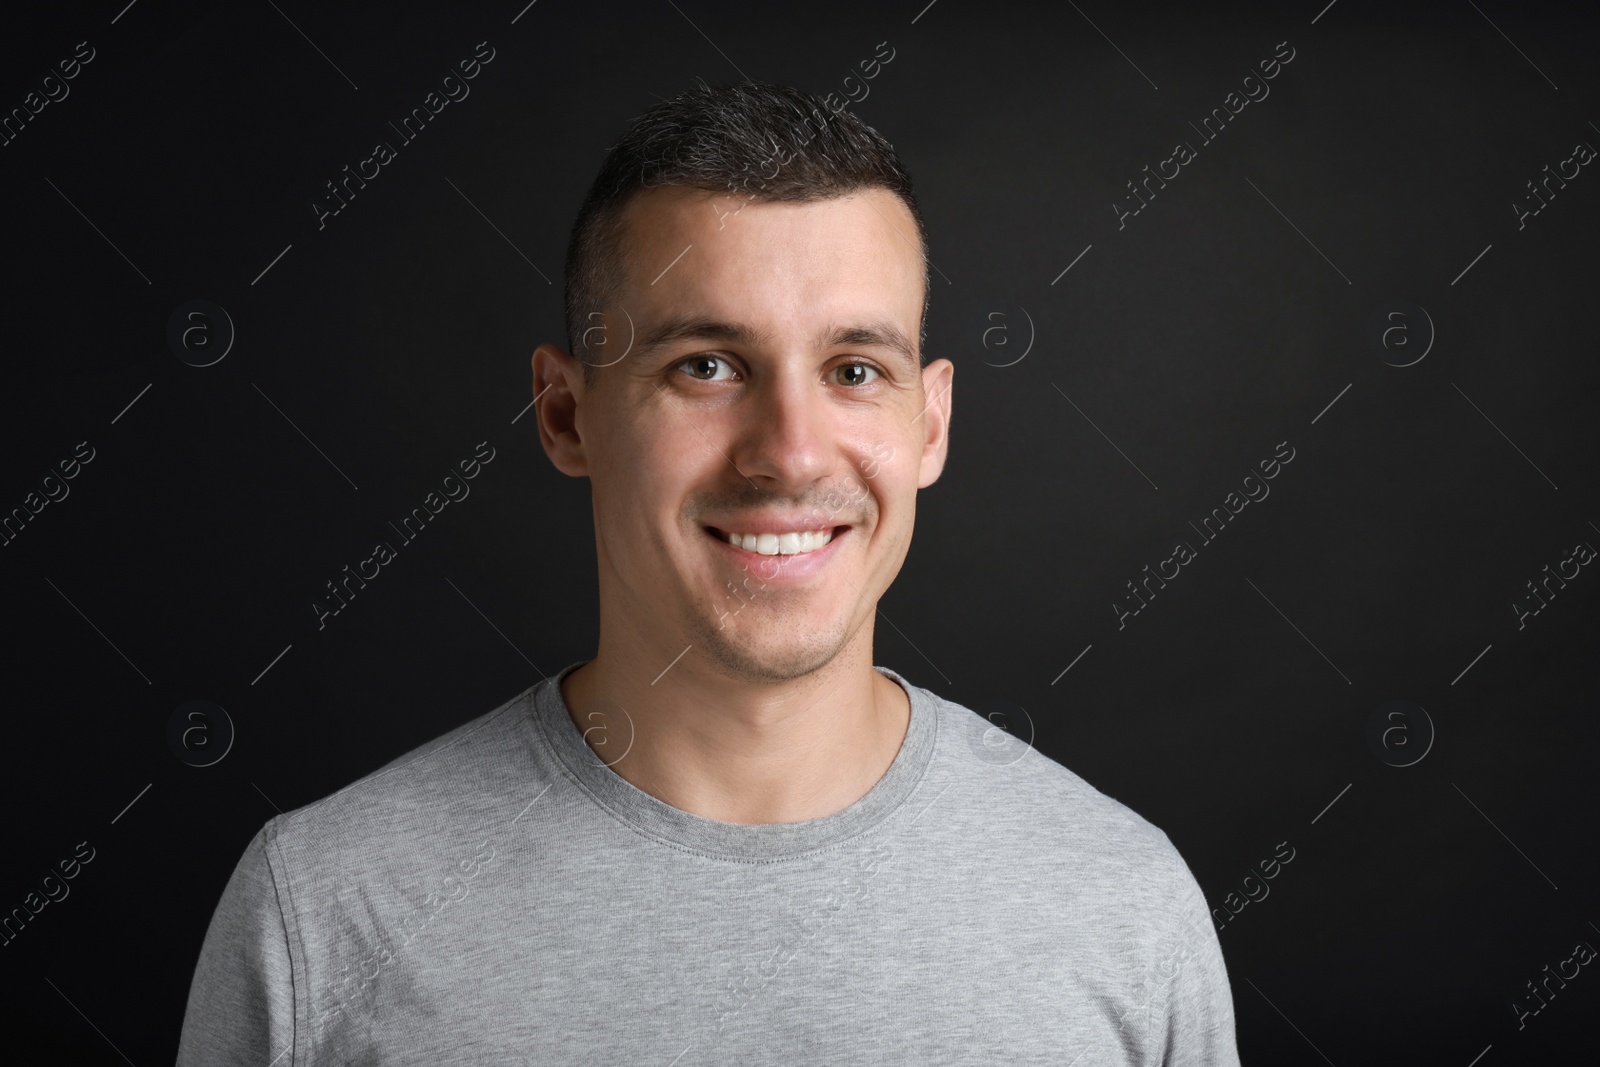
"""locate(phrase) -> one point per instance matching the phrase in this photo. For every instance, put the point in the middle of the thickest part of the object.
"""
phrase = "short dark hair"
(766, 142)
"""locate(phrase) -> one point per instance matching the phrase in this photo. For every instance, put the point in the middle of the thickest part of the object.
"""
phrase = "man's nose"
(786, 435)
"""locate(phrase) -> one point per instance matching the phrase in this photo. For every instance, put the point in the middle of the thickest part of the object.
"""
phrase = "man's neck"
(728, 751)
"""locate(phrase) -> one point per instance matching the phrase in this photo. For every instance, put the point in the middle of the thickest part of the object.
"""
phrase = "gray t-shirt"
(500, 896)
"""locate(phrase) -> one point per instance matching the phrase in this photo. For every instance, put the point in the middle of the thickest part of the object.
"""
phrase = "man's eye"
(862, 373)
(708, 368)
(704, 368)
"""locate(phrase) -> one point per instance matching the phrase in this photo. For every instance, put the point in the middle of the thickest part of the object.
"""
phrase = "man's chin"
(772, 655)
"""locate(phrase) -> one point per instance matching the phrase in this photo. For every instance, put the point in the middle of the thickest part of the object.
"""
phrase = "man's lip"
(782, 569)
(760, 526)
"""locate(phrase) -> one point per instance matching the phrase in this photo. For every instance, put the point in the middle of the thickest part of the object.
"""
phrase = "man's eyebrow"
(877, 334)
(696, 328)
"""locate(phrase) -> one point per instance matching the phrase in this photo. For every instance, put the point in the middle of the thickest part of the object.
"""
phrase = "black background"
(1231, 314)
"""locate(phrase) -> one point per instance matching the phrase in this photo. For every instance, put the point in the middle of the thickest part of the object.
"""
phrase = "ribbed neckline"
(744, 842)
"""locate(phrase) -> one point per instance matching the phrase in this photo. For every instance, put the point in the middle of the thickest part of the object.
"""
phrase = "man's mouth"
(788, 543)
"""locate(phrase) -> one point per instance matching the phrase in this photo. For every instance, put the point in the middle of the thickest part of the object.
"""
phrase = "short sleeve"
(241, 1001)
(1198, 1016)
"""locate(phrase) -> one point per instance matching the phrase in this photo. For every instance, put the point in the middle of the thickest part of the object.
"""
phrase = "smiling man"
(729, 837)
(755, 459)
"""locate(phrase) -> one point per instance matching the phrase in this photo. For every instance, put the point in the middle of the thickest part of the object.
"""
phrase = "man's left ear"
(936, 382)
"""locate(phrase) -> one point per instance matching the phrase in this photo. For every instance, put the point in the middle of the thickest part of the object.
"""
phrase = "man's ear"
(558, 392)
(936, 381)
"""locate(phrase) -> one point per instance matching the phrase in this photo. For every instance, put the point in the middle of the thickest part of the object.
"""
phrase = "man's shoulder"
(1011, 786)
(423, 798)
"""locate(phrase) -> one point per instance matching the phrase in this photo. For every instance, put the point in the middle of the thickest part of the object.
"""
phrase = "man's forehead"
(695, 269)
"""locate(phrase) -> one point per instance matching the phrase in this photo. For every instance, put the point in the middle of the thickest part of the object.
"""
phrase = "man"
(728, 838)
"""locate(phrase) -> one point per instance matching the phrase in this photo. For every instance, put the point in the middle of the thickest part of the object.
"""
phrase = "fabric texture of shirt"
(501, 896)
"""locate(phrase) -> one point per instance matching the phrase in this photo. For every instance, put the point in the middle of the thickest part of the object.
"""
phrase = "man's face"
(754, 389)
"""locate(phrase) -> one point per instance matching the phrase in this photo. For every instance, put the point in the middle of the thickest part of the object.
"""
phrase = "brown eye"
(862, 371)
(704, 368)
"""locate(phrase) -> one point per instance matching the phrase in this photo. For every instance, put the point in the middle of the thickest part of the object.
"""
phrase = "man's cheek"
(874, 458)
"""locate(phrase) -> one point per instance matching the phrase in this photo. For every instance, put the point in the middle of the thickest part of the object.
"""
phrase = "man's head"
(747, 142)
(746, 300)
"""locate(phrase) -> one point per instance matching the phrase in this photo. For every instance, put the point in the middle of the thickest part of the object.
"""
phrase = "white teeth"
(788, 544)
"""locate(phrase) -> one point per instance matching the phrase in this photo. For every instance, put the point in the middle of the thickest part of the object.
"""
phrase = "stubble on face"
(760, 633)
